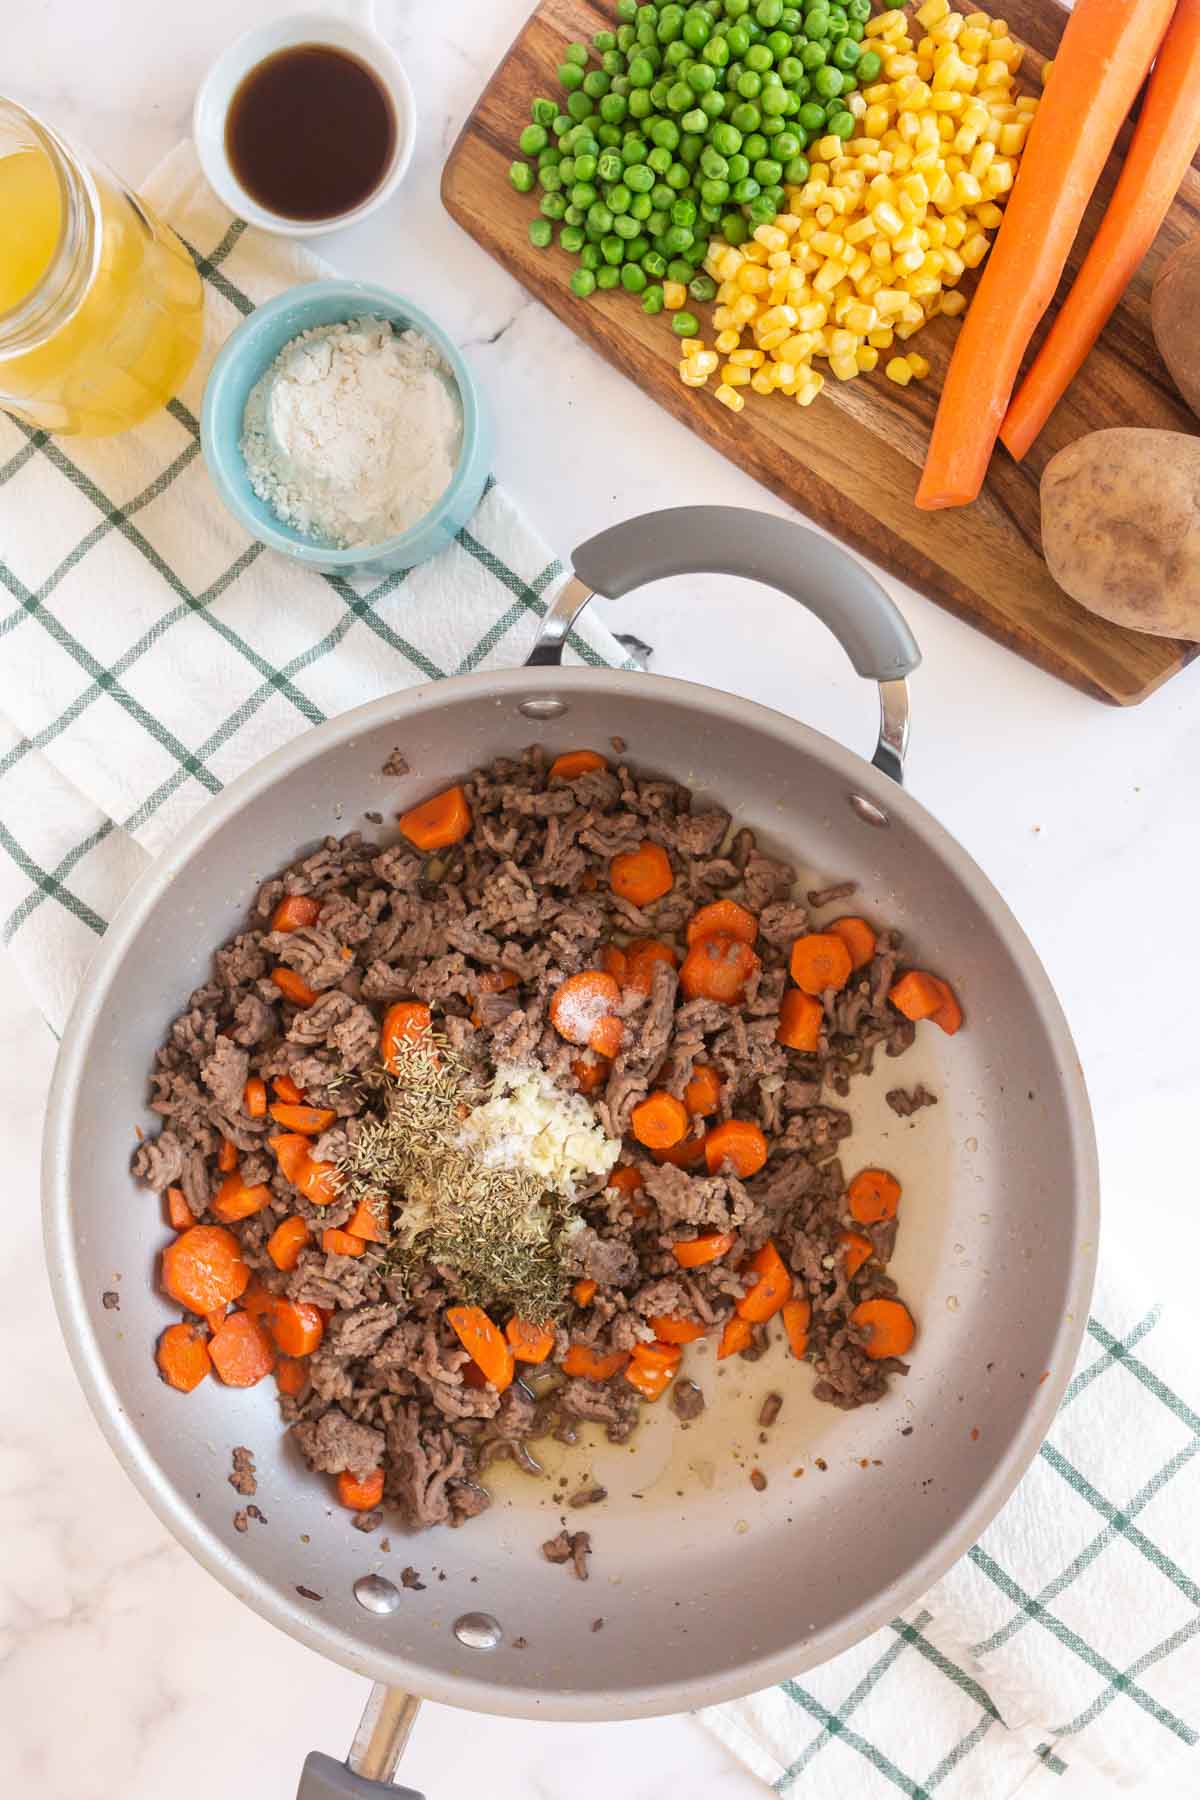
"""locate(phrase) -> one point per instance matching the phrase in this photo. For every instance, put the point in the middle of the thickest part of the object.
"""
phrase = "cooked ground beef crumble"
(527, 893)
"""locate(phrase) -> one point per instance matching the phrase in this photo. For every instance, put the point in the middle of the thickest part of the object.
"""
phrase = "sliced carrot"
(296, 1327)
(295, 910)
(820, 961)
(593, 1365)
(858, 938)
(406, 1022)
(887, 1326)
(287, 1241)
(286, 1089)
(254, 1098)
(473, 1376)
(310, 1120)
(182, 1357)
(669, 1329)
(530, 1343)
(686, 1155)
(584, 1292)
(591, 1076)
(737, 1335)
(856, 1250)
(797, 1316)
(215, 1320)
(702, 1095)
(443, 820)
(772, 1288)
(292, 1151)
(722, 918)
(693, 1253)
(583, 1011)
(917, 995)
(738, 1141)
(293, 987)
(179, 1213)
(227, 1156)
(717, 968)
(335, 1242)
(651, 1368)
(873, 1195)
(576, 762)
(615, 962)
(1105, 53)
(625, 1179)
(234, 1200)
(800, 1021)
(659, 1121)
(949, 1013)
(484, 1341)
(360, 1496)
(291, 1375)
(1165, 139)
(641, 876)
(641, 957)
(319, 1182)
(203, 1268)
(242, 1351)
(366, 1223)
(259, 1300)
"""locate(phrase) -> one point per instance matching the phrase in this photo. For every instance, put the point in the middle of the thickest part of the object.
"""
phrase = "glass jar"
(101, 307)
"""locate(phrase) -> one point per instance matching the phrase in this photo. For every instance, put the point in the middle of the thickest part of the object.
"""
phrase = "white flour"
(353, 433)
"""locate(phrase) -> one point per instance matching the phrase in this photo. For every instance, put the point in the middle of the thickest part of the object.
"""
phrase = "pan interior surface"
(707, 1585)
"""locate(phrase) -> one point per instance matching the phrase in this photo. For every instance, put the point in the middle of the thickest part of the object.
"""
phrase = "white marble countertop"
(124, 1669)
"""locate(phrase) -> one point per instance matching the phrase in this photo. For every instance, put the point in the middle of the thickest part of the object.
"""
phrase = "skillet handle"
(325, 1779)
(732, 540)
(366, 1774)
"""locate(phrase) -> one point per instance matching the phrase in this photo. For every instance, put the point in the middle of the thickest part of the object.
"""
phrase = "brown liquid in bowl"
(310, 132)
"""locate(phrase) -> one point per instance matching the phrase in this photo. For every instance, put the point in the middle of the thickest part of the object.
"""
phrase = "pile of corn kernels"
(875, 242)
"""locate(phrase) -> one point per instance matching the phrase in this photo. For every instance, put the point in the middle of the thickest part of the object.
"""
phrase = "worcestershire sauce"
(310, 132)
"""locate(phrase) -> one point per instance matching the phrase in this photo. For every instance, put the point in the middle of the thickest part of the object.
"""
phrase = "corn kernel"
(735, 377)
(827, 276)
(704, 362)
(727, 341)
(811, 317)
(844, 367)
(722, 317)
(731, 398)
(729, 262)
(752, 278)
(889, 301)
(882, 338)
(674, 295)
(866, 358)
(689, 346)
(744, 309)
(770, 340)
(747, 359)
(953, 304)
(974, 249)
(989, 216)
(898, 371)
(762, 381)
(918, 364)
(807, 394)
(1047, 71)
(907, 330)
(688, 379)
(770, 237)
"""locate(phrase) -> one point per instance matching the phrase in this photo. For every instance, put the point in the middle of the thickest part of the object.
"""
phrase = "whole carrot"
(1106, 49)
(1165, 140)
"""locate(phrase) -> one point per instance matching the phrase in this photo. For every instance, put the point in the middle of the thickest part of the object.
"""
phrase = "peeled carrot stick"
(797, 1316)
(1165, 140)
(335, 1242)
(800, 1021)
(291, 1375)
(294, 987)
(179, 1213)
(1106, 49)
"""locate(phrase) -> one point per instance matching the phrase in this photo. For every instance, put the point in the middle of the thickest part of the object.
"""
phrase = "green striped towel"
(150, 651)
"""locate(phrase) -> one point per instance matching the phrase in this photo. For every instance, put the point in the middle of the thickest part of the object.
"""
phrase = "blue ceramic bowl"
(251, 350)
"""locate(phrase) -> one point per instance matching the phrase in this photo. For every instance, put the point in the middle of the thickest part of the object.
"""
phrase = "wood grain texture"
(851, 460)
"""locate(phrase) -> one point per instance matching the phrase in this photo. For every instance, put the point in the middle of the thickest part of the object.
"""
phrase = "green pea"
(683, 212)
(855, 30)
(533, 139)
(664, 132)
(582, 283)
(767, 170)
(574, 215)
(842, 124)
(739, 166)
(618, 198)
(768, 13)
(702, 288)
(695, 122)
(678, 177)
(779, 43)
(625, 227)
(736, 9)
(791, 18)
(716, 52)
(639, 207)
(652, 299)
(845, 53)
(870, 67)
(571, 239)
(552, 206)
(726, 137)
(607, 276)
(690, 146)
(859, 10)
(701, 77)
(613, 64)
(580, 105)
(738, 39)
(661, 195)
(633, 279)
(550, 179)
(609, 165)
(521, 176)
(734, 228)
(609, 135)
(604, 40)
(640, 103)
(590, 257)
(791, 70)
(813, 57)
(746, 116)
(678, 238)
(595, 83)
(612, 250)
(669, 23)
(710, 214)
(655, 264)
(774, 123)
(685, 324)
(626, 37)
(626, 9)
(828, 82)
(786, 144)
(678, 270)
(753, 144)
(811, 115)
(797, 171)
(714, 191)
(713, 105)
(849, 83)
(640, 72)
(759, 59)
(599, 218)
(763, 210)
(639, 178)
(712, 163)
(540, 233)
(676, 54)
(657, 220)
(749, 84)
(570, 76)
(695, 30)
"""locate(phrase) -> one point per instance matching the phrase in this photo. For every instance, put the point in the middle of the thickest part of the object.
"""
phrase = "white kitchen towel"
(1065, 1646)
(150, 650)
(151, 653)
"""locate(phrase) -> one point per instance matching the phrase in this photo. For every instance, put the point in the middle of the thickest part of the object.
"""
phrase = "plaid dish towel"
(150, 653)
(150, 650)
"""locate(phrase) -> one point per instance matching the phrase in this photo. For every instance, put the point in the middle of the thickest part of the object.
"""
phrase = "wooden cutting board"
(851, 460)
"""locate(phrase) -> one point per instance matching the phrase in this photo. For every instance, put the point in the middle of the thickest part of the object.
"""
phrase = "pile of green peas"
(686, 127)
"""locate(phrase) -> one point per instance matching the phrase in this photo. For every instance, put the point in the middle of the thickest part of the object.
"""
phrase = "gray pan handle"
(732, 540)
(367, 1772)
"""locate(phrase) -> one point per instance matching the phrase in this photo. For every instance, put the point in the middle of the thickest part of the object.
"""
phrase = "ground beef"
(242, 1477)
(528, 892)
(572, 1547)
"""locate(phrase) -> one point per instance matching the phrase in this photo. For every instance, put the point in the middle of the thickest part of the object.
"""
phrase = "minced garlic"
(530, 1124)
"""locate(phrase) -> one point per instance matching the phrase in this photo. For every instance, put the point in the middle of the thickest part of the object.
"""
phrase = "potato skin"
(1175, 317)
(1121, 527)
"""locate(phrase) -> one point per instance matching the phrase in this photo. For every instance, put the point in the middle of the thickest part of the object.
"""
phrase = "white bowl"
(225, 76)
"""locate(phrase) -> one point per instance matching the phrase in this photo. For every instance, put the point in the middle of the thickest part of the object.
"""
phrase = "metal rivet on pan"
(542, 706)
(377, 1593)
(478, 1631)
(868, 812)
